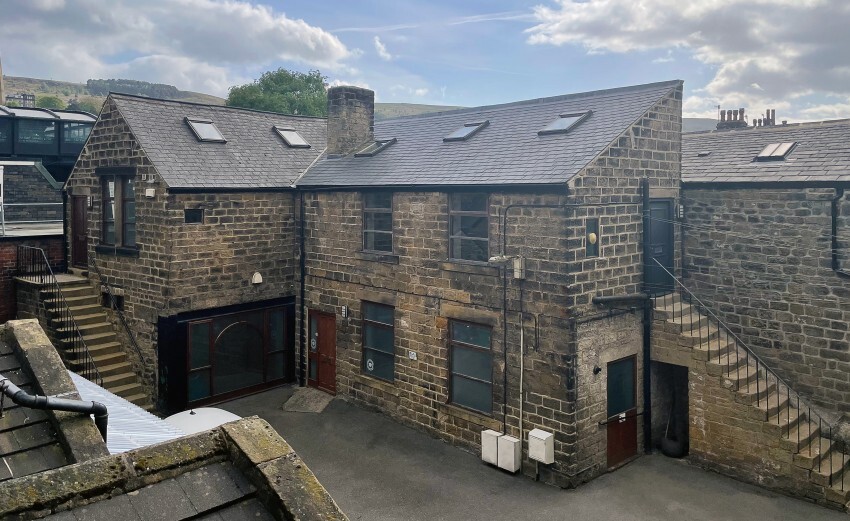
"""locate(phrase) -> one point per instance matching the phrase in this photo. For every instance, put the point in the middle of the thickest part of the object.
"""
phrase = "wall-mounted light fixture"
(596, 369)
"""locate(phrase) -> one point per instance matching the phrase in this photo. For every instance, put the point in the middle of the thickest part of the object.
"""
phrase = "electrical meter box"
(490, 446)
(510, 453)
(541, 446)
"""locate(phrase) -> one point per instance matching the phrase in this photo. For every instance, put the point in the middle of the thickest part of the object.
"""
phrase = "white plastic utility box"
(510, 453)
(490, 446)
(541, 446)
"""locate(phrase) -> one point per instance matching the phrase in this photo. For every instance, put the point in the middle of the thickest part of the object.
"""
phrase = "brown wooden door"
(79, 231)
(321, 370)
(622, 411)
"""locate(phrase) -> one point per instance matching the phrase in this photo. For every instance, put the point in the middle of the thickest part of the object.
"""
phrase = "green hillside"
(67, 91)
(395, 110)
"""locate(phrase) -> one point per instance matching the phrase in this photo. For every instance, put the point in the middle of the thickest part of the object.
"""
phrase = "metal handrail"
(31, 263)
(811, 417)
(104, 283)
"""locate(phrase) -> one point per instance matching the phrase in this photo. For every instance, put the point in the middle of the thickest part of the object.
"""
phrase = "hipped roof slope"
(508, 151)
(822, 154)
(253, 157)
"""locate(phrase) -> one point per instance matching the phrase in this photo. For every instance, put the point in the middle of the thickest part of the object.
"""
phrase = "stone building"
(186, 212)
(450, 260)
(768, 246)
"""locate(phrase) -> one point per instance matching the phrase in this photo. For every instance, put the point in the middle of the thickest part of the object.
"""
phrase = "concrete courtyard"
(377, 469)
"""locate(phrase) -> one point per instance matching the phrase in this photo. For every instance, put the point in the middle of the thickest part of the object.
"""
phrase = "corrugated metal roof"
(130, 426)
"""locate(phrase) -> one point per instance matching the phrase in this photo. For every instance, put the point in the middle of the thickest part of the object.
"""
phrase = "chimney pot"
(722, 116)
(773, 116)
(735, 115)
(351, 119)
(741, 113)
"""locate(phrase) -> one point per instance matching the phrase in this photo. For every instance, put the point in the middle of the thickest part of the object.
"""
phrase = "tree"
(285, 91)
(85, 104)
(49, 102)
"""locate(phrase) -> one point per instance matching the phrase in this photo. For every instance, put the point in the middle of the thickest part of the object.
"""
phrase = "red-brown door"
(622, 411)
(321, 370)
(79, 231)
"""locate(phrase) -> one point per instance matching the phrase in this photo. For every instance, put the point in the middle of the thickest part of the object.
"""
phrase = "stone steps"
(105, 351)
(818, 460)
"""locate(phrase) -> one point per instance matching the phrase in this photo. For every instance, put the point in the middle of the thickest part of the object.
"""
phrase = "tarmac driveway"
(377, 469)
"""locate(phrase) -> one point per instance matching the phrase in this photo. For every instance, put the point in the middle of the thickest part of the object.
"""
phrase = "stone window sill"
(374, 383)
(388, 258)
(473, 268)
(472, 417)
(120, 251)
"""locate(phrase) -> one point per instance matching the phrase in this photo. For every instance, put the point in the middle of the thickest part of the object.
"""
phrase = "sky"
(789, 55)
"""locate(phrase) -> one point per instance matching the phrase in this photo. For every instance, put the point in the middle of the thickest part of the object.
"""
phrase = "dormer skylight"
(564, 123)
(291, 137)
(205, 130)
(466, 131)
(375, 148)
(775, 151)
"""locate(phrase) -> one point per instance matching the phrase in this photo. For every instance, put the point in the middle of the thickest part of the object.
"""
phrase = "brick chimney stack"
(351, 119)
(732, 118)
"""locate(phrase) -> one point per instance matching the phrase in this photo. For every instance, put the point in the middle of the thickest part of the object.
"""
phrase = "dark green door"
(622, 411)
(658, 282)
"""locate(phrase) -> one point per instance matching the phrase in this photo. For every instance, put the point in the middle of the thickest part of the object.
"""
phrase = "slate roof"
(822, 153)
(216, 491)
(507, 152)
(28, 442)
(253, 157)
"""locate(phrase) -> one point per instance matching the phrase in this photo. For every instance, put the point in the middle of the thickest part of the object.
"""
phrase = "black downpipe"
(20, 397)
(836, 265)
(302, 266)
(647, 321)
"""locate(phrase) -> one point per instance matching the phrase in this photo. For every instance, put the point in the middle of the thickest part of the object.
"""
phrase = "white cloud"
(190, 43)
(420, 92)
(381, 49)
(761, 51)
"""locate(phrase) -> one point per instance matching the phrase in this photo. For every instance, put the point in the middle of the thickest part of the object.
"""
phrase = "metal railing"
(802, 425)
(114, 304)
(31, 264)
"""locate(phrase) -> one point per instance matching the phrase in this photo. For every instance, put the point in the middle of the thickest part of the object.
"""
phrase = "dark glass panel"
(621, 386)
(472, 362)
(378, 200)
(472, 394)
(378, 241)
(36, 132)
(469, 202)
(378, 313)
(275, 367)
(378, 364)
(199, 385)
(199, 354)
(238, 357)
(470, 249)
(276, 329)
(469, 226)
(109, 233)
(129, 234)
(378, 338)
(471, 334)
(381, 221)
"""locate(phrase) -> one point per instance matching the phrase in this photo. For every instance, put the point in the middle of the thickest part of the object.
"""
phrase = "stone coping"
(285, 485)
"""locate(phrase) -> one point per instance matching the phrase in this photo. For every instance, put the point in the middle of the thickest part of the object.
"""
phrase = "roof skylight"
(205, 130)
(466, 131)
(291, 137)
(373, 149)
(564, 123)
(775, 151)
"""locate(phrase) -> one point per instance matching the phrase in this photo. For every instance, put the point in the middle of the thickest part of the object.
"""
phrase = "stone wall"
(427, 291)
(33, 185)
(52, 247)
(760, 259)
(181, 266)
